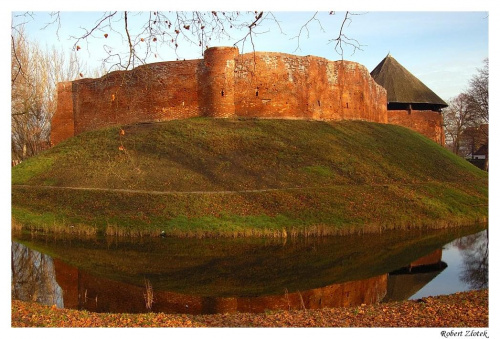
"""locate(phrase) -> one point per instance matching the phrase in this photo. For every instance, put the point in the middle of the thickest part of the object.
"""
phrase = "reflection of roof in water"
(401, 286)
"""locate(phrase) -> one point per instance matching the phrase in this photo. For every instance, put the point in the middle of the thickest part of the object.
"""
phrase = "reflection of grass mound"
(245, 266)
(243, 177)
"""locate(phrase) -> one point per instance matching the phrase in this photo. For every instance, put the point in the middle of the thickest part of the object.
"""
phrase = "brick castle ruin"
(226, 84)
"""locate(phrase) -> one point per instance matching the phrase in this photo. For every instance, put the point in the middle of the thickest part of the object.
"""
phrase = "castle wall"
(154, 92)
(432, 258)
(277, 85)
(216, 82)
(271, 85)
(428, 123)
(82, 290)
(226, 84)
(63, 124)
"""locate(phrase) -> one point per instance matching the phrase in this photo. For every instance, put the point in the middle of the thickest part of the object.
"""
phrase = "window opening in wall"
(257, 92)
(222, 93)
(347, 105)
(319, 103)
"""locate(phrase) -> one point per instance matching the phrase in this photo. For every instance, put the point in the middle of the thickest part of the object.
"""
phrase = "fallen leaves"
(468, 309)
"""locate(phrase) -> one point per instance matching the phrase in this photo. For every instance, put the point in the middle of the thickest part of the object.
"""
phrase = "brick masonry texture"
(82, 290)
(227, 84)
(428, 123)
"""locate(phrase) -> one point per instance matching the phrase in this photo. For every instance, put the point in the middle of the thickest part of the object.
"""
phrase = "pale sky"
(443, 49)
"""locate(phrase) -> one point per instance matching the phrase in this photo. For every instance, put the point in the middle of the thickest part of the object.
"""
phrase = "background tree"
(467, 116)
(33, 277)
(478, 94)
(478, 104)
(35, 73)
(457, 118)
(474, 250)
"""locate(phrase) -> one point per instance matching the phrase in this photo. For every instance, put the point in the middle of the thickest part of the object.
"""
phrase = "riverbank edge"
(462, 309)
(87, 231)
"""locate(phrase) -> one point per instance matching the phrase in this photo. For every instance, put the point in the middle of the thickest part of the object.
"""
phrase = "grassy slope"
(325, 178)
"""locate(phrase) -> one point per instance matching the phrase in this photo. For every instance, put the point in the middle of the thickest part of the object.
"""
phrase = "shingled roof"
(403, 87)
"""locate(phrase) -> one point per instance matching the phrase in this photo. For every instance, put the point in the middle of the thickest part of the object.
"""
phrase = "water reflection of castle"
(407, 281)
(82, 290)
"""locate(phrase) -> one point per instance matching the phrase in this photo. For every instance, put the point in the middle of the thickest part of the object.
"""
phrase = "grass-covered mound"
(247, 177)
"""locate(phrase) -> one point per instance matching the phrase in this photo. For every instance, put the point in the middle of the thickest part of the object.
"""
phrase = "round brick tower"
(217, 82)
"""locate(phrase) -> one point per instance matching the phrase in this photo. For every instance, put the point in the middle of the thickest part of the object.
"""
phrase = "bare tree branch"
(21, 24)
(33, 94)
(57, 19)
(197, 28)
(131, 48)
(19, 66)
(343, 39)
(250, 32)
(306, 28)
(96, 27)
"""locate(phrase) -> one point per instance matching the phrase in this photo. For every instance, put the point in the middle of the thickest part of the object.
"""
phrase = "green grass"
(31, 168)
(315, 177)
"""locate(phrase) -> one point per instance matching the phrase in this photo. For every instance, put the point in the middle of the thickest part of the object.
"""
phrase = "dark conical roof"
(402, 86)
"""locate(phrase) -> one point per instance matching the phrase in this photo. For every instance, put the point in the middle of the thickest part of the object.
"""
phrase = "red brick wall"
(154, 92)
(63, 124)
(68, 277)
(82, 290)
(216, 82)
(277, 85)
(223, 84)
(432, 258)
(428, 123)
(271, 85)
(347, 294)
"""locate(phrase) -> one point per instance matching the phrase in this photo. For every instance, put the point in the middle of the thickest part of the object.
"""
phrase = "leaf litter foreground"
(466, 309)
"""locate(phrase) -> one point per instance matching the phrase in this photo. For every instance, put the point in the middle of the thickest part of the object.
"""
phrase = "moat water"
(202, 276)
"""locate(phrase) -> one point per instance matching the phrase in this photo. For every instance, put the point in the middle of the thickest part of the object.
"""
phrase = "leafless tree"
(474, 250)
(33, 277)
(29, 107)
(457, 118)
(467, 117)
(479, 95)
(34, 76)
